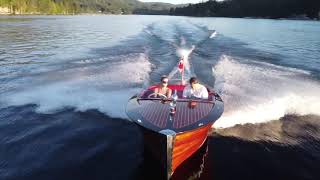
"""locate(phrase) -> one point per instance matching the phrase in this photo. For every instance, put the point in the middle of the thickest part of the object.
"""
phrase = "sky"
(174, 1)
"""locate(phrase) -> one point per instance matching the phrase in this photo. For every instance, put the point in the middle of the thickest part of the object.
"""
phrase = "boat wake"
(260, 92)
(94, 84)
(184, 55)
(253, 91)
(213, 35)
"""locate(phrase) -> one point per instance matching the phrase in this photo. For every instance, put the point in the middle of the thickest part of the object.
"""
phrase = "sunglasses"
(164, 82)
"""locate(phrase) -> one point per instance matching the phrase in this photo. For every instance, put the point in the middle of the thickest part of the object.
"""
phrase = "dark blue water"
(65, 81)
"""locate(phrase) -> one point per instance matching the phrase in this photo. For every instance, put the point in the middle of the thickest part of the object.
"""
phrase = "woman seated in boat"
(163, 89)
(195, 90)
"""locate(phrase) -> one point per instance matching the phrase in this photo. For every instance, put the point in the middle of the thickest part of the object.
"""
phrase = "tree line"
(251, 8)
(213, 8)
(40, 6)
(153, 8)
(84, 6)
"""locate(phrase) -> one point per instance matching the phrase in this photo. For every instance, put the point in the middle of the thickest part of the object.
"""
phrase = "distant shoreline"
(102, 14)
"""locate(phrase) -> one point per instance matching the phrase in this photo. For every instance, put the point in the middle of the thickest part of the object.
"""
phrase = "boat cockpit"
(148, 94)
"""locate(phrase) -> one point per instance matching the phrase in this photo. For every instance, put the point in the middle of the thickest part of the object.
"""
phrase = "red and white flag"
(181, 65)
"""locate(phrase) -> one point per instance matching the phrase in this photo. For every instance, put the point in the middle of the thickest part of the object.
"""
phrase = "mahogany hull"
(187, 143)
(170, 151)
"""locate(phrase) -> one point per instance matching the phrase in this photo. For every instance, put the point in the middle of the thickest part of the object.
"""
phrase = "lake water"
(65, 81)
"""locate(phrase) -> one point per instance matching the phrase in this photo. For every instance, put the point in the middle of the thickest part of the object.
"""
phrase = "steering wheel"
(162, 96)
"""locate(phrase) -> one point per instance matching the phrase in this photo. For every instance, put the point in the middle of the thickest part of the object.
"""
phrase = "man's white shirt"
(199, 92)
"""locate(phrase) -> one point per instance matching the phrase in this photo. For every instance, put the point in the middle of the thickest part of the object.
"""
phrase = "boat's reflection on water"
(192, 168)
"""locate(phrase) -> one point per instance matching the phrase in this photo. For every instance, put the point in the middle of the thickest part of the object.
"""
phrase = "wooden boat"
(176, 128)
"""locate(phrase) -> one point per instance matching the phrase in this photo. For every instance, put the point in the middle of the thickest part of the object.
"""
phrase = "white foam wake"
(213, 35)
(184, 55)
(260, 92)
(106, 87)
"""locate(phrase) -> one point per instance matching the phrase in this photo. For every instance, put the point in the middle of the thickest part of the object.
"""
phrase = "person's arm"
(156, 91)
(204, 93)
(185, 92)
(169, 93)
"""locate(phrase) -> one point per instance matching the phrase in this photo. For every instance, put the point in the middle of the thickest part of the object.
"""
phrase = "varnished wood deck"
(158, 114)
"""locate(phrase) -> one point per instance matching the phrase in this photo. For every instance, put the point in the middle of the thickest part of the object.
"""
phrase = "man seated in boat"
(162, 90)
(194, 90)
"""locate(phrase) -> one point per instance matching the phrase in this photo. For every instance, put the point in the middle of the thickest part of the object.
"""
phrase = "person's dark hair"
(163, 77)
(192, 80)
